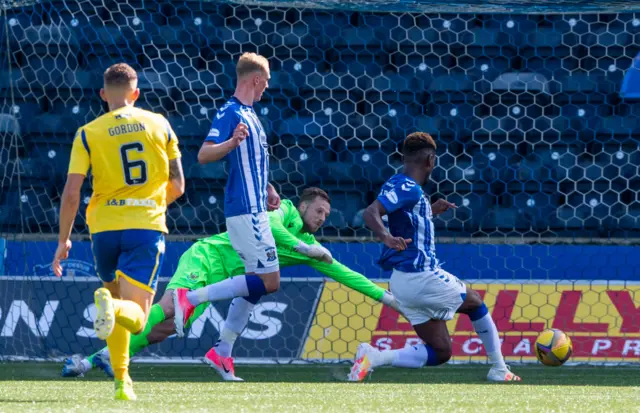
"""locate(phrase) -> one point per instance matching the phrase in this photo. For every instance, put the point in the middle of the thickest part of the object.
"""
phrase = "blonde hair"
(120, 74)
(250, 63)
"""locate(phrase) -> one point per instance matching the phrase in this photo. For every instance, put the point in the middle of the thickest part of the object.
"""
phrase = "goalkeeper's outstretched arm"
(354, 280)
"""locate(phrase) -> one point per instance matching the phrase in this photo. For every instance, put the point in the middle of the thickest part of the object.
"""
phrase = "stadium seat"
(47, 35)
(294, 36)
(149, 80)
(471, 208)
(319, 125)
(38, 209)
(9, 125)
(336, 219)
(522, 81)
(189, 127)
(10, 210)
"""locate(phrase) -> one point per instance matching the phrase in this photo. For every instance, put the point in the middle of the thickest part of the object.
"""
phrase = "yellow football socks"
(118, 344)
(129, 319)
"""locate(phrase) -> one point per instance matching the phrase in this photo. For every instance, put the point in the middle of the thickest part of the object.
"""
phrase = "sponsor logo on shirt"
(214, 133)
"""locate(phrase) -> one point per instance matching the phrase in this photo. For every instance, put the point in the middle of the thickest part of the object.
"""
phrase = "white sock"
(411, 357)
(86, 365)
(224, 290)
(486, 329)
(236, 321)
(224, 346)
(383, 358)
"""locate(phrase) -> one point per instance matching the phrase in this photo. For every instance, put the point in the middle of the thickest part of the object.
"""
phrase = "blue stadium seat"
(319, 125)
(579, 82)
(428, 124)
(99, 59)
(293, 36)
(545, 37)
(618, 126)
(285, 81)
(369, 167)
(288, 171)
(520, 82)
(370, 126)
(336, 219)
(189, 127)
(215, 170)
(10, 209)
(81, 79)
(9, 125)
(38, 209)
(158, 82)
(452, 83)
(349, 203)
(395, 82)
(48, 35)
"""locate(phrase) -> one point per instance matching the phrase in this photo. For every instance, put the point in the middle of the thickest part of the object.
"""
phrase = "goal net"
(538, 144)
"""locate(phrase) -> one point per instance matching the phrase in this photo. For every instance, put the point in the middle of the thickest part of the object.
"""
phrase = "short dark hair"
(310, 194)
(120, 74)
(416, 142)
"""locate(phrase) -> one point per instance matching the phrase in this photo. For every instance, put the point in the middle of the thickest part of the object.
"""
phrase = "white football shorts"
(427, 295)
(251, 237)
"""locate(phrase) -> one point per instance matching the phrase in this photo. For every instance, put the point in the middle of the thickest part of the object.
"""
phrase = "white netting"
(535, 140)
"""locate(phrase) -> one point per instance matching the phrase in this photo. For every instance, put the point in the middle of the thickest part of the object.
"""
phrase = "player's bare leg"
(486, 329)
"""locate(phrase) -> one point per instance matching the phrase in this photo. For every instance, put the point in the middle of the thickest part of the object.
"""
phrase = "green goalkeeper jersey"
(216, 257)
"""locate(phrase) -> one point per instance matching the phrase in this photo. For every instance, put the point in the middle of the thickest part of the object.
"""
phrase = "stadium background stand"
(534, 138)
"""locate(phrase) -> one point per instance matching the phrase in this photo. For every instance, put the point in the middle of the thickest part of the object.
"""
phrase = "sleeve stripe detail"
(168, 132)
(84, 141)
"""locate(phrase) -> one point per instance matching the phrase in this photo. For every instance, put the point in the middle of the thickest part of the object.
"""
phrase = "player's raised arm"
(213, 150)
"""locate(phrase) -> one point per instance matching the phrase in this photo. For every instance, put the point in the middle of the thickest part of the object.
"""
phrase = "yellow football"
(553, 347)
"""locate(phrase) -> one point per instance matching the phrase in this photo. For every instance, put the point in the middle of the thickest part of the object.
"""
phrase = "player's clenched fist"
(396, 243)
(240, 133)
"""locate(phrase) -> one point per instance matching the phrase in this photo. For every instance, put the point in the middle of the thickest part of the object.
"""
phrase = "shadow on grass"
(452, 374)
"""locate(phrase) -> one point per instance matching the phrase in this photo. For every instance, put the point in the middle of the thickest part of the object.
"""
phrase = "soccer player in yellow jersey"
(135, 161)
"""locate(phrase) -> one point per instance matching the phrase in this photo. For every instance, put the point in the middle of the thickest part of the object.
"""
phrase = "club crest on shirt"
(271, 254)
(392, 196)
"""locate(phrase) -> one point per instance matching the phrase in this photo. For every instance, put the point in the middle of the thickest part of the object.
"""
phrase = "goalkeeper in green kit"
(213, 259)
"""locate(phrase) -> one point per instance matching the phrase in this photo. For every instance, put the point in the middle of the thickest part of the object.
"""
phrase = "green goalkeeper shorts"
(199, 266)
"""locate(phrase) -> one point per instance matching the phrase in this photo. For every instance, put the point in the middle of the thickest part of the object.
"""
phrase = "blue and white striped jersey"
(246, 190)
(409, 216)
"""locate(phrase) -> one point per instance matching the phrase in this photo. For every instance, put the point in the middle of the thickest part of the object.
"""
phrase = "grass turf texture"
(301, 388)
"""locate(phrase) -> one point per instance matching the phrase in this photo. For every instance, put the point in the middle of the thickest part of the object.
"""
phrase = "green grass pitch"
(309, 388)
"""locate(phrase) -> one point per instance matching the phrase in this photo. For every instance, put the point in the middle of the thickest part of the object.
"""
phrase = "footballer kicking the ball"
(427, 295)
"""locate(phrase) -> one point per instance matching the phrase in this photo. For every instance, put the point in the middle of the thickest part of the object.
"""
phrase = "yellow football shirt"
(128, 151)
